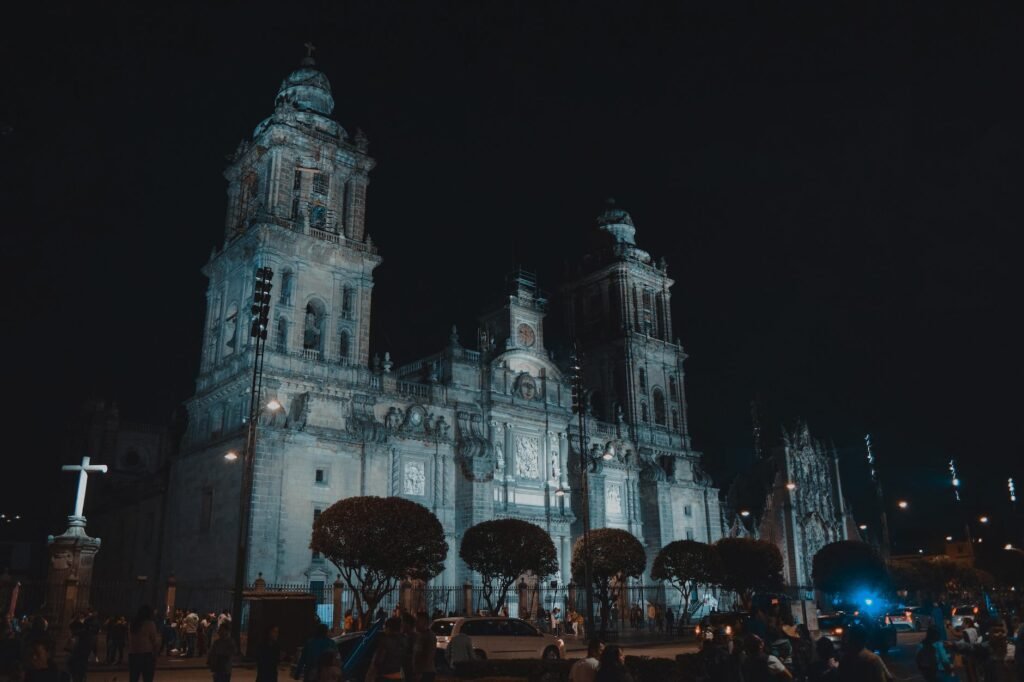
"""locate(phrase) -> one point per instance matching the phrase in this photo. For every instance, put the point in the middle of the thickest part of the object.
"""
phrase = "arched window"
(348, 302)
(287, 284)
(343, 346)
(313, 329)
(672, 392)
(643, 379)
(659, 407)
(644, 414)
(281, 335)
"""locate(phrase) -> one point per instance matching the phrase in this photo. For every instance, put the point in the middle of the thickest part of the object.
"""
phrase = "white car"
(499, 637)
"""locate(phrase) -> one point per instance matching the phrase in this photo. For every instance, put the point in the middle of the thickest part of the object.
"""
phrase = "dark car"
(731, 621)
(881, 636)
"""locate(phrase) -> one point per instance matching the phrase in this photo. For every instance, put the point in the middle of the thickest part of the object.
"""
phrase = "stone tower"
(619, 314)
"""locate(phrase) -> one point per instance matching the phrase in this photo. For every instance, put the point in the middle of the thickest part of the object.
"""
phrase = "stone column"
(72, 555)
(510, 453)
(563, 459)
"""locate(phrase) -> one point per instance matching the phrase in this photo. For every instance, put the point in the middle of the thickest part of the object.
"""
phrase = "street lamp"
(258, 332)
(745, 513)
(791, 486)
(949, 538)
(863, 526)
(983, 519)
(231, 455)
(902, 504)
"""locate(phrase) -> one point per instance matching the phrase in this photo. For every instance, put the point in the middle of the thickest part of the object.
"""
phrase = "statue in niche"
(499, 454)
(311, 333)
(393, 418)
(442, 428)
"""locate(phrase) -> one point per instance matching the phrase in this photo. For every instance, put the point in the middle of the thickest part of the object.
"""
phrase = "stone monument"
(72, 555)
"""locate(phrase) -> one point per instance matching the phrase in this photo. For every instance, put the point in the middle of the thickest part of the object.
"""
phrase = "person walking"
(670, 621)
(825, 667)
(312, 650)
(143, 643)
(390, 654)
(81, 651)
(269, 658)
(932, 660)
(585, 669)
(424, 651)
(119, 634)
(218, 659)
(460, 649)
(41, 667)
(613, 666)
(191, 627)
(857, 663)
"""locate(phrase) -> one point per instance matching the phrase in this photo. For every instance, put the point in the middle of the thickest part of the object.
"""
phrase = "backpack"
(927, 662)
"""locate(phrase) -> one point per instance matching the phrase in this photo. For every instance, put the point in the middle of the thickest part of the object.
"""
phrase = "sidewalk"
(631, 637)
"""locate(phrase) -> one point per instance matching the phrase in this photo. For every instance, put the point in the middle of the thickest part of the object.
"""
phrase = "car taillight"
(838, 631)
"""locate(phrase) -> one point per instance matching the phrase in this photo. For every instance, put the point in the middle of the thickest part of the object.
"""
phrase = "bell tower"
(519, 324)
(619, 314)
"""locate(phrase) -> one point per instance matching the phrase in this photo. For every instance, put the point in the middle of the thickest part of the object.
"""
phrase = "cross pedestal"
(72, 555)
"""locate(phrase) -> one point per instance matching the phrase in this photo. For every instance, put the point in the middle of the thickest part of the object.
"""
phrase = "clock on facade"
(525, 335)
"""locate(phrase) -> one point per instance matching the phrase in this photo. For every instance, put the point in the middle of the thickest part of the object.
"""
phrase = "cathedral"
(479, 429)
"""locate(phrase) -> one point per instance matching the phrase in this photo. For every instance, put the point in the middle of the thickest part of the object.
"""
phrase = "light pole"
(258, 332)
(586, 462)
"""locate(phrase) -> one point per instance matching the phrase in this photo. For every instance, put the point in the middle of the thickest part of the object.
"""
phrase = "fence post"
(336, 599)
(467, 599)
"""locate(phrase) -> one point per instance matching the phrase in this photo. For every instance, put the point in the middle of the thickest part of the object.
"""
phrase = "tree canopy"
(615, 556)
(504, 549)
(847, 566)
(377, 541)
(687, 564)
(749, 566)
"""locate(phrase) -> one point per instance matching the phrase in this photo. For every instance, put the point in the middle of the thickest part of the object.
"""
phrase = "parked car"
(922, 617)
(881, 635)
(901, 620)
(732, 621)
(499, 637)
(964, 611)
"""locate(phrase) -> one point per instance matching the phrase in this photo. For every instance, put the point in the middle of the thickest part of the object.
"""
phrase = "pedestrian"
(269, 658)
(329, 668)
(652, 614)
(825, 667)
(460, 650)
(719, 664)
(81, 650)
(670, 620)
(857, 663)
(585, 669)
(191, 627)
(424, 651)
(315, 646)
(556, 621)
(120, 635)
(143, 643)
(10, 654)
(613, 666)
(803, 651)
(348, 623)
(390, 654)
(218, 658)
(408, 642)
(759, 665)
(932, 660)
(41, 667)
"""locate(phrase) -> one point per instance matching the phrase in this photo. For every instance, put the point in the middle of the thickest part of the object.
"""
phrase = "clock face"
(416, 416)
(526, 335)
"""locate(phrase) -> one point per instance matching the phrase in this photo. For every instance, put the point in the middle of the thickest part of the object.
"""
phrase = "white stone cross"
(83, 479)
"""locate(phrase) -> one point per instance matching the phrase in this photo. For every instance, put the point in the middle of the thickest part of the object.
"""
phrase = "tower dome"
(617, 222)
(307, 89)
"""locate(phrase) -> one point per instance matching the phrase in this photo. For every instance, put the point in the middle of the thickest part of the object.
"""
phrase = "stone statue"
(499, 453)
(393, 418)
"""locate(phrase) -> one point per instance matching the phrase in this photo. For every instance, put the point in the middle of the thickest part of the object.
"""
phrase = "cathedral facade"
(793, 498)
(478, 430)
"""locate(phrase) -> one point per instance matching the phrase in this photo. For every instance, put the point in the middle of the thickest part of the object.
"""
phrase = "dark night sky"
(837, 194)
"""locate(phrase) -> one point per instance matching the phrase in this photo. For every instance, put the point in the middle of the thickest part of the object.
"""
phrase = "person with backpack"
(932, 660)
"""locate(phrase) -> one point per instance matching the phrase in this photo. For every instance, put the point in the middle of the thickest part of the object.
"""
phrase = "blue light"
(869, 602)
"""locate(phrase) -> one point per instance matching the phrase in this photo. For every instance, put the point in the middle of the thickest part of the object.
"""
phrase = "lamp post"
(258, 332)
(587, 463)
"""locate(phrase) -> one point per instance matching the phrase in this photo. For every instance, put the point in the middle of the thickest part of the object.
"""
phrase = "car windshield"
(442, 628)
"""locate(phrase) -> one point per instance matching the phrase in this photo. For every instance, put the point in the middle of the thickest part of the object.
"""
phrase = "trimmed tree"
(504, 549)
(378, 541)
(749, 566)
(615, 556)
(848, 565)
(687, 564)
